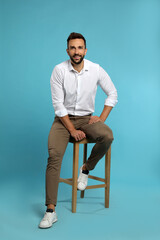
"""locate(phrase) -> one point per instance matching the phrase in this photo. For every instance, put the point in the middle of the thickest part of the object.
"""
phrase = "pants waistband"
(70, 115)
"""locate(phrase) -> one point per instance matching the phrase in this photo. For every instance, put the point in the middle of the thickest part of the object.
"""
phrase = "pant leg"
(103, 136)
(57, 143)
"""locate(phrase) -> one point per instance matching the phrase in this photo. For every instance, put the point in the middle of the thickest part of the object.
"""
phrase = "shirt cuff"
(61, 113)
(110, 102)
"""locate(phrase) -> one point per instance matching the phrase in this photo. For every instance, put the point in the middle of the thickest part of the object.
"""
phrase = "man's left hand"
(94, 119)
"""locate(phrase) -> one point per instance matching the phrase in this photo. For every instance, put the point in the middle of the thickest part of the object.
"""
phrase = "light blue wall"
(124, 38)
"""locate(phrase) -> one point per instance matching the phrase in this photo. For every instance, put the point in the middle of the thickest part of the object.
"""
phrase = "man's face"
(76, 50)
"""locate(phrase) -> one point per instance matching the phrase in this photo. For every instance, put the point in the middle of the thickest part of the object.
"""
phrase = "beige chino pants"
(57, 142)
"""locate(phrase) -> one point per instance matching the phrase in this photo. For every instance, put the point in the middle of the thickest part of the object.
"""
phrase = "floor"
(134, 212)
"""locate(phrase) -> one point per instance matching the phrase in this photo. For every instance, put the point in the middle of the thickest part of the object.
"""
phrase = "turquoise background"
(124, 38)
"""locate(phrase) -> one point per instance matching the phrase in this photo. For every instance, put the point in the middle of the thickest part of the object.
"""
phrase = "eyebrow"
(74, 46)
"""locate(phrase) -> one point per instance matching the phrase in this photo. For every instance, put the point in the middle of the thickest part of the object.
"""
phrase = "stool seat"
(73, 181)
(83, 141)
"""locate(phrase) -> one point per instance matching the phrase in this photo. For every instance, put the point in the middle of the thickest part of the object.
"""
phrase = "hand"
(78, 134)
(94, 119)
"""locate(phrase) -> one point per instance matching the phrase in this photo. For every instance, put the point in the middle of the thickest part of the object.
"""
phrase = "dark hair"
(75, 35)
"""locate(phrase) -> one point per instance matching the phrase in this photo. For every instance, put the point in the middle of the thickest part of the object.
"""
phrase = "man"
(73, 86)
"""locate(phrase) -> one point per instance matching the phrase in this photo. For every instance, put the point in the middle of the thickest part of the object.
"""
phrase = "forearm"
(106, 111)
(67, 123)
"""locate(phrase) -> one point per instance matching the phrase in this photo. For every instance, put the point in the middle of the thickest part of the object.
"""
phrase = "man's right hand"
(78, 134)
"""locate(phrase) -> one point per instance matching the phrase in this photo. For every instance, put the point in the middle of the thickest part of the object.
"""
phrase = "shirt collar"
(71, 68)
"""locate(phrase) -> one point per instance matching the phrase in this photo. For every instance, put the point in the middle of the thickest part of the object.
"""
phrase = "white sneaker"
(82, 180)
(48, 219)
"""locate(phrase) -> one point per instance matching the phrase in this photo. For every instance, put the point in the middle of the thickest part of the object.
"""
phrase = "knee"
(108, 136)
(55, 156)
(55, 153)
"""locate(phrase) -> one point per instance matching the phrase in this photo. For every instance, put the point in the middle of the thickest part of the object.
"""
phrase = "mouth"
(76, 57)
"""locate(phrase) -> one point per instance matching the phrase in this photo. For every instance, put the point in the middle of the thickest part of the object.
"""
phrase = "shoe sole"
(50, 225)
(81, 189)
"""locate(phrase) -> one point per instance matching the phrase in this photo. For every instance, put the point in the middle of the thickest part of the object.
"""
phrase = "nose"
(76, 51)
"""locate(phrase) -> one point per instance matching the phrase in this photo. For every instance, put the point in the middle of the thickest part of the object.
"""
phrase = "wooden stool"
(73, 181)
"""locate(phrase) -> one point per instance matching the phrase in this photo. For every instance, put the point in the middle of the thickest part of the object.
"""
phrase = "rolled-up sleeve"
(57, 92)
(108, 87)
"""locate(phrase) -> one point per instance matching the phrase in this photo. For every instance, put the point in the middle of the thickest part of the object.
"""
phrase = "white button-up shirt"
(74, 92)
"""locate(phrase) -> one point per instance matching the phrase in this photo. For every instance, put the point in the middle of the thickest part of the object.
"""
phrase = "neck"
(78, 67)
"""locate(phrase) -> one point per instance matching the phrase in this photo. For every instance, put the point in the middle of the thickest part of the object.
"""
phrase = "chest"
(82, 83)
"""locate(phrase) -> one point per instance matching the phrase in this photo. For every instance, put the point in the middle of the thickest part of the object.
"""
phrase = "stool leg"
(75, 176)
(84, 160)
(107, 176)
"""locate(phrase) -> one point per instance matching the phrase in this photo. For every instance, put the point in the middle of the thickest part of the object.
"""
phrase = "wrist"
(102, 119)
(71, 130)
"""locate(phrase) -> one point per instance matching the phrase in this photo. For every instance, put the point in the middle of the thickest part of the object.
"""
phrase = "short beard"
(81, 59)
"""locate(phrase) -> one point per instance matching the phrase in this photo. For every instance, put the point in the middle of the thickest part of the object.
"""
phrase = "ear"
(67, 51)
(86, 51)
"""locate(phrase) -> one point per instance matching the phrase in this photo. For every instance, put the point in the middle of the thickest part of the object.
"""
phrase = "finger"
(91, 118)
(76, 138)
(84, 135)
(90, 121)
(97, 120)
(79, 137)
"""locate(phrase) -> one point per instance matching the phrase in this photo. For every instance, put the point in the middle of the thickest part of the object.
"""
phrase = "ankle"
(84, 167)
(51, 206)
